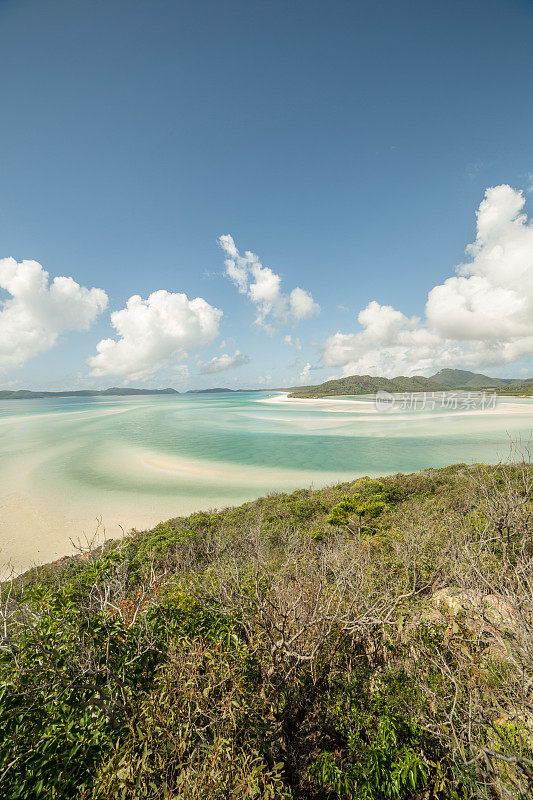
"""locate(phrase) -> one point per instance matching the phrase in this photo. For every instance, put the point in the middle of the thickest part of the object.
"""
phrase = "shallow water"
(132, 461)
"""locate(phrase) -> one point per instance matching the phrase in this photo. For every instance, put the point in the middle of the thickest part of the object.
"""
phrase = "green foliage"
(368, 384)
(442, 381)
(298, 507)
(160, 544)
(179, 616)
(383, 759)
(204, 685)
(370, 501)
(388, 771)
(259, 652)
(55, 720)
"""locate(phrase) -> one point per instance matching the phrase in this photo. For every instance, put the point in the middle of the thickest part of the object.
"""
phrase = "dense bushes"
(372, 640)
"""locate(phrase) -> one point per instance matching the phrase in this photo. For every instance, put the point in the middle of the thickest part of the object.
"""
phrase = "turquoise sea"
(70, 464)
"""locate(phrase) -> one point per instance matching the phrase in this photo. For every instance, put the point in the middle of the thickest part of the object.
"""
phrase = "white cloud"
(304, 374)
(237, 266)
(263, 287)
(307, 369)
(37, 312)
(482, 316)
(181, 372)
(224, 362)
(302, 304)
(296, 343)
(155, 333)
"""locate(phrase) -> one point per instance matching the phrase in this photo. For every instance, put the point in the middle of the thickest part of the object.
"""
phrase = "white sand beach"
(66, 469)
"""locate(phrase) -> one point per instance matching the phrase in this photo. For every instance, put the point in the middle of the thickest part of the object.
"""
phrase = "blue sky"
(347, 144)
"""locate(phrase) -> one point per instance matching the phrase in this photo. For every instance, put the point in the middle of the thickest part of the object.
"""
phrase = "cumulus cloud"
(302, 304)
(307, 369)
(155, 333)
(224, 362)
(481, 316)
(38, 311)
(304, 374)
(263, 287)
(292, 342)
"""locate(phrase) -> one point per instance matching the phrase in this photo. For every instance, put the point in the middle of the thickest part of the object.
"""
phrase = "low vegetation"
(445, 380)
(372, 640)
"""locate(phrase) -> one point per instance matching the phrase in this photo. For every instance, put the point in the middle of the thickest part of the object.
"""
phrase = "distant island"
(114, 391)
(444, 380)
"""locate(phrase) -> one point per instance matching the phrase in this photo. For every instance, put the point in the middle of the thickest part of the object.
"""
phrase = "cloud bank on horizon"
(482, 316)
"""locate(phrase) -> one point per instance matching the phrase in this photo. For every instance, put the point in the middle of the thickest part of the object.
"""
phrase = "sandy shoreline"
(64, 474)
(34, 532)
(36, 528)
(368, 406)
(283, 397)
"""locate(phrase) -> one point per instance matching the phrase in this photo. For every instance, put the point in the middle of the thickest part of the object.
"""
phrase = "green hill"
(464, 379)
(367, 384)
(444, 380)
(366, 641)
(518, 388)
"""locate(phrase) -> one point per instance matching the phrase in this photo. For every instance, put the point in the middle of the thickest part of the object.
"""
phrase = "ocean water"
(70, 465)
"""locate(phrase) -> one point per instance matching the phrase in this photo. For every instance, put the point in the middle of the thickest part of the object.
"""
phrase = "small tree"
(356, 512)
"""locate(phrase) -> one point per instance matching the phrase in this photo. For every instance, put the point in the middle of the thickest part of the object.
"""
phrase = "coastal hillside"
(370, 640)
(443, 381)
(518, 388)
(367, 384)
(464, 379)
